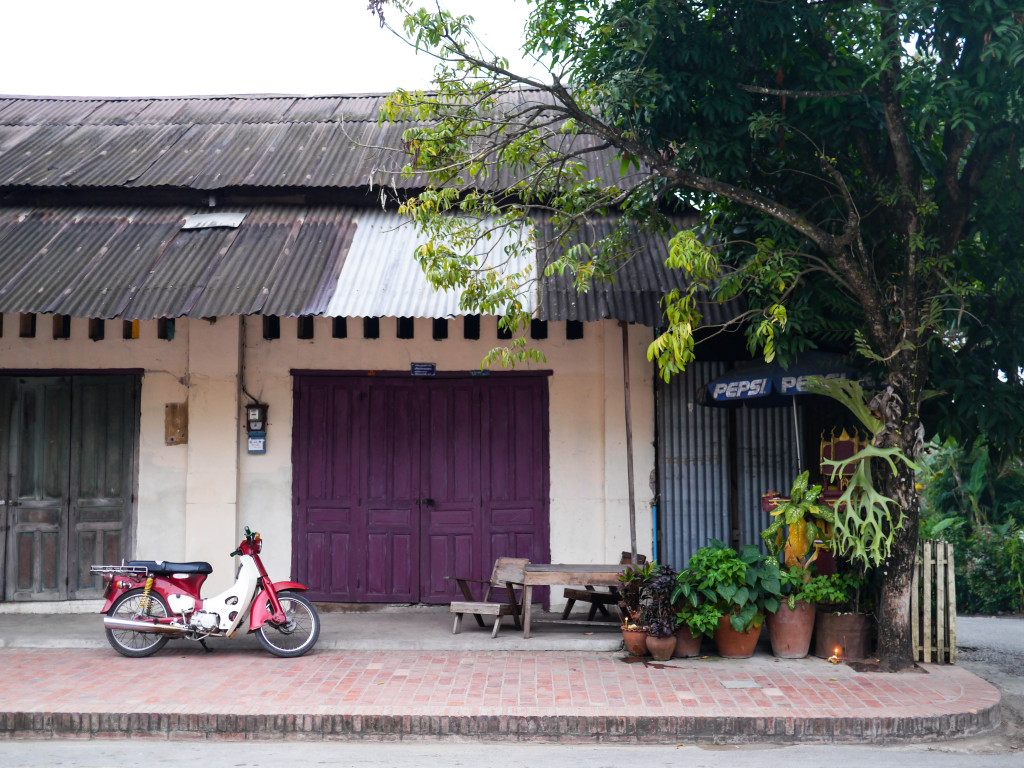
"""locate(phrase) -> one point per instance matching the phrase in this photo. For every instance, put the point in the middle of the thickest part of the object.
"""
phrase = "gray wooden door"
(69, 457)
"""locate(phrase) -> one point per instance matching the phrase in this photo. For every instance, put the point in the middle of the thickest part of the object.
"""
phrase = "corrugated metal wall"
(767, 460)
(694, 465)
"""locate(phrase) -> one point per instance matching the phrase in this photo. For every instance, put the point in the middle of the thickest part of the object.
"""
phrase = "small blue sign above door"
(423, 369)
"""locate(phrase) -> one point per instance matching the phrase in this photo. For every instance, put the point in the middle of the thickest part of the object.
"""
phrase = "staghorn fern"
(867, 521)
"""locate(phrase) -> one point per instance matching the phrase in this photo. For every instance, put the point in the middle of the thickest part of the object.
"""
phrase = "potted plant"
(634, 635)
(696, 615)
(658, 614)
(741, 586)
(800, 529)
(806, 523)
(843, 629)
(790, 627)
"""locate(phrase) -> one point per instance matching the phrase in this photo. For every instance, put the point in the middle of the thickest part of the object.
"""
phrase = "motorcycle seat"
(164, 568)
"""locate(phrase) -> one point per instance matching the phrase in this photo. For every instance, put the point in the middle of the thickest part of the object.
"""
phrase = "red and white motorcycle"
(149, 602)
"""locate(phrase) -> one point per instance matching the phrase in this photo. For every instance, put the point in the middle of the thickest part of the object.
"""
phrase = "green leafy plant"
(740, 585)
(699, 614)
(805, 520)
(794, 585)
(842, 592)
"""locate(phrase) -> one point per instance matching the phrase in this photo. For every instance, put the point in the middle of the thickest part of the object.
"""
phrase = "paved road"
(993, 649)
(99, 754)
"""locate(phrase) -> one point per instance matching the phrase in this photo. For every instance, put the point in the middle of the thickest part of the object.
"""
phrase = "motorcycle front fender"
(261, 610)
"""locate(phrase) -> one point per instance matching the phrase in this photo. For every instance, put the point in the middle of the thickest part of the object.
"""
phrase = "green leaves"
(800, 514)
(742, 585)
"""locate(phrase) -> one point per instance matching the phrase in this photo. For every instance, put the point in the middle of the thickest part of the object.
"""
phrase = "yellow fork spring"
(144, 603)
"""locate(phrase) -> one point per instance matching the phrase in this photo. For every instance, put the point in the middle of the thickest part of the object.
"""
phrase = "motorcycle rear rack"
(121, 570)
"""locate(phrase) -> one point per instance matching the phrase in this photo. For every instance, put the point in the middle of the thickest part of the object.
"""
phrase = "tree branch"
(799, 94)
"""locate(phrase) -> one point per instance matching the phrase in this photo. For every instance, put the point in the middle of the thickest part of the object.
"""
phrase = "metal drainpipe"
(656, 483)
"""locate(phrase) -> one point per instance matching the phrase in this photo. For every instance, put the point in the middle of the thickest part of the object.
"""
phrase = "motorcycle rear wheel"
(298, 634)
(128, 642)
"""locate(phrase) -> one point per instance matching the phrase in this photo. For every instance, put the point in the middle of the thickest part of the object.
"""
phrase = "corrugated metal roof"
(138, 263)
(209, 143)
(634, 295)
(382, 278)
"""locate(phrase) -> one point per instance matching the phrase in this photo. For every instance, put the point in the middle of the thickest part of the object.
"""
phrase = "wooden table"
(560, 574)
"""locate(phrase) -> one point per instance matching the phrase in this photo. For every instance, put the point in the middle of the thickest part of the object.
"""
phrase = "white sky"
(184, 47)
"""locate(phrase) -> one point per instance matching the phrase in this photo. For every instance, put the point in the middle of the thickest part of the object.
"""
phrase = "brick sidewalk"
(555, 696)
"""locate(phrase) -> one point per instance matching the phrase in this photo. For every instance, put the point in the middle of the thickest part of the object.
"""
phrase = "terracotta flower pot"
(661, 648)
(635, 641)
(686, 644)
(852, 633)
(790, 630)
(736, 645)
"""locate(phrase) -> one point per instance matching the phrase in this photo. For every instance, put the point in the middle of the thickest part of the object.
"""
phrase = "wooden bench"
(507, 573)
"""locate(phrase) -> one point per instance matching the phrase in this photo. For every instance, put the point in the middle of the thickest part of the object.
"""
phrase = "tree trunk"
(895, 641)
(895, 647)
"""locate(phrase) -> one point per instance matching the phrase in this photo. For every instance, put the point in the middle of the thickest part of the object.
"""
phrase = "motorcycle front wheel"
(129, 606)
(299, 632)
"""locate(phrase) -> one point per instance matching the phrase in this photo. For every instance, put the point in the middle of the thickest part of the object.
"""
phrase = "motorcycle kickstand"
(207, 648)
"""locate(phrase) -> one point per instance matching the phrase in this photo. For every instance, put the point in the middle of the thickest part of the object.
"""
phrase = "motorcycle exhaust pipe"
(112, 622)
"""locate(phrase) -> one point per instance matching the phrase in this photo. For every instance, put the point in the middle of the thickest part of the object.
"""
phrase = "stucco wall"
(589, 511)
(162, 469)
(194, 499)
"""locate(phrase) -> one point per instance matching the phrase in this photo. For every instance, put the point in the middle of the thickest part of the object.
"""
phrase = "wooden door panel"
(330, 531)
(451, 548)
(69, 448)
(40, 453)
(7, 386)
(451, 489)
(104, 418)
(97, 537)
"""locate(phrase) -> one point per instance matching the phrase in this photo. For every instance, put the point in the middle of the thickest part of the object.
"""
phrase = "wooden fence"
(933, 604)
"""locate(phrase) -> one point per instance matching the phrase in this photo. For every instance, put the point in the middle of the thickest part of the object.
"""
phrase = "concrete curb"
(558, 728)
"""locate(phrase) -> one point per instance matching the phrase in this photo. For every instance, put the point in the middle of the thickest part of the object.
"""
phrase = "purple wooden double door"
(400, 481)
